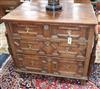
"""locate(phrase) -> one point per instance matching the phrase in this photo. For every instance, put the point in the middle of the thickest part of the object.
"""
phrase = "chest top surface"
(36, 11)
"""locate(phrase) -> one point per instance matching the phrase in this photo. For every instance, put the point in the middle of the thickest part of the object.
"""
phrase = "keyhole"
(69, 37)
(69, 40)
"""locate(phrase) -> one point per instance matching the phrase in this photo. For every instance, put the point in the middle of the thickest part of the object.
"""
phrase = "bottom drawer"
(51, 65)
(70, 67)
(28, 62)
(32, 63)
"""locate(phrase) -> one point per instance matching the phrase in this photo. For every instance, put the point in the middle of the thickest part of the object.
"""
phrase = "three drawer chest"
(52, 43)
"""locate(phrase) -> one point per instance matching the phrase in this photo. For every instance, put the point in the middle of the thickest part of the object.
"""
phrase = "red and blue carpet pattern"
(12, 80)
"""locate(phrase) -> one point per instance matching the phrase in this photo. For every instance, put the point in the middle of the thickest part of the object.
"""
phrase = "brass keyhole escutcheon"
(69, 39)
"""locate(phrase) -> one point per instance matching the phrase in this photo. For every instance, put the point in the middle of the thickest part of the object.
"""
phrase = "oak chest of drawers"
(52, 43)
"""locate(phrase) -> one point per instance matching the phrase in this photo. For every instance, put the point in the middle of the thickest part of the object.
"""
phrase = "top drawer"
(70, 30)
(49, 30)
(26, 30)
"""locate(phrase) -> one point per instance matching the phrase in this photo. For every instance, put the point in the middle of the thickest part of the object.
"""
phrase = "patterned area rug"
(12, 80)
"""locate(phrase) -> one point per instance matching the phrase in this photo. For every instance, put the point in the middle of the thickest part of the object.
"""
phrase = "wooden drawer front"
(50, 65)
(50, 30)
(31, 47)
(74, 50)
(27, 30)
(35, 30)
(66, 30)
(30, 62)
(61, 66)
(73, 39)
(60, 48)
(27, 47)
(55, 48)
(70, 67)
